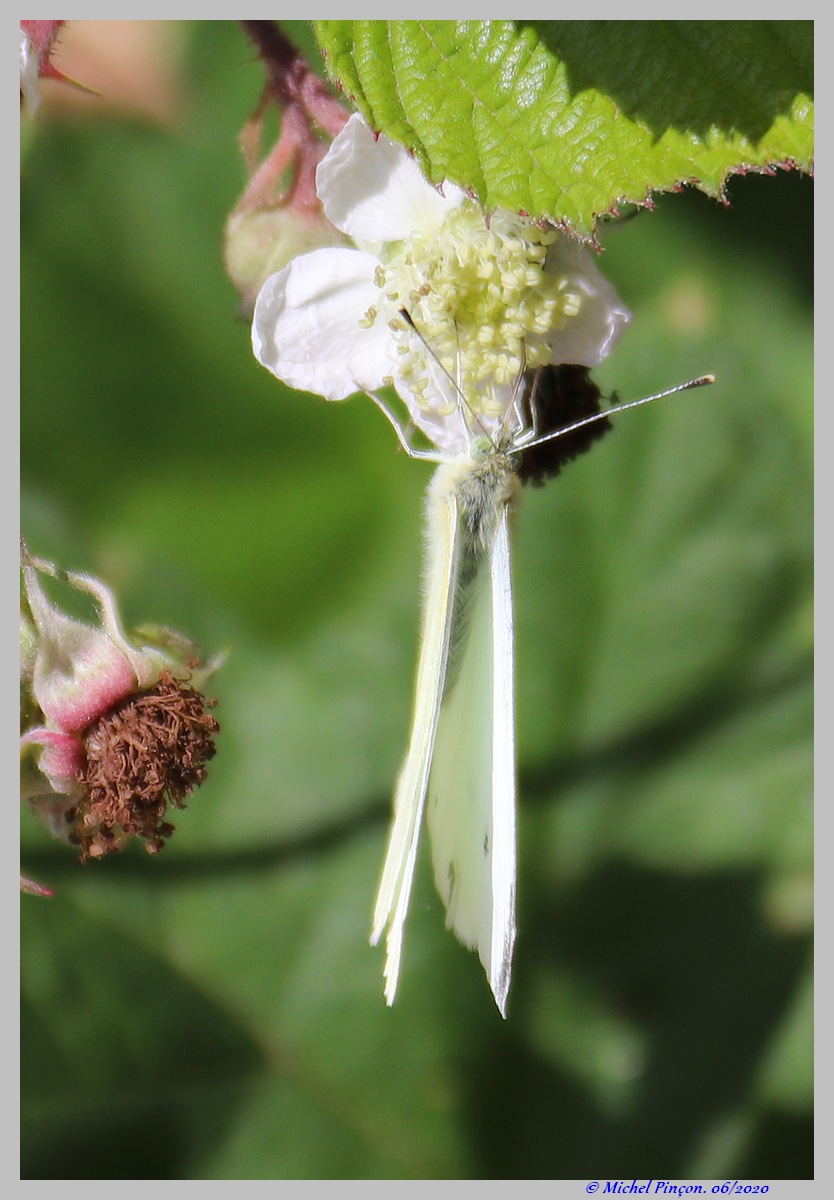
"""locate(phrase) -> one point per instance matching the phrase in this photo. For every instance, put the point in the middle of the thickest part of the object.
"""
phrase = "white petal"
(306, 327)
(590, 336)
(374, 191)
(443, 417)
(446, 430)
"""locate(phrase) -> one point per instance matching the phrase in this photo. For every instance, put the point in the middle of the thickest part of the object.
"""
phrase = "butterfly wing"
(409, 798)
(471, 808)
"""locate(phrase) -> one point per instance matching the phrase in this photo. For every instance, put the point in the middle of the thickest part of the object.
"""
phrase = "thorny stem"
(303, 100)
(291, 79)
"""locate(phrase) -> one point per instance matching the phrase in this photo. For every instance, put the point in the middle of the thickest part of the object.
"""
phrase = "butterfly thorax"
(481, 486)
(469, 499)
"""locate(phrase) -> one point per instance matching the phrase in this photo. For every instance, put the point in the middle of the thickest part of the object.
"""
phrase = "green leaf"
(787, 1071)
(572, 119)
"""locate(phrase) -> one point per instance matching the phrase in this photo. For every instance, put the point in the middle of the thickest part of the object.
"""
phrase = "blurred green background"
(216, 1012)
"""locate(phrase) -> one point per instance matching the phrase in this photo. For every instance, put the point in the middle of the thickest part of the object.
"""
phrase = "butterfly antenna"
(701, 381)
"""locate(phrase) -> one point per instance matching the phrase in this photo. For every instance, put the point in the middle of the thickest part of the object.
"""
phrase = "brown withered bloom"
(116, 729)
(144, 756)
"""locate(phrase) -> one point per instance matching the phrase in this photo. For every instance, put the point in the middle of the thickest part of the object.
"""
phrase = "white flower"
(485, 299)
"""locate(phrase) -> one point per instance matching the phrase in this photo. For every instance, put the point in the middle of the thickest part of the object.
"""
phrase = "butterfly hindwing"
(471, 803)
(409, 798)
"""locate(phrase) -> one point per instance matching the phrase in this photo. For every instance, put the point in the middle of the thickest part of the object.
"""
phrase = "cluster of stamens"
(479, 297)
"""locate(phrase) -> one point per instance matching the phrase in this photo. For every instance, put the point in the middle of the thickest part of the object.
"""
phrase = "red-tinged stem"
(291, 78)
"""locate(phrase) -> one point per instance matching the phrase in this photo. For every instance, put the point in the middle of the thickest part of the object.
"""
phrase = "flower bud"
(38, 40)
(259, 242)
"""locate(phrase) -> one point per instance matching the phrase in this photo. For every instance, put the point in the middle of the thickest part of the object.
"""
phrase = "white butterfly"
(460, 762)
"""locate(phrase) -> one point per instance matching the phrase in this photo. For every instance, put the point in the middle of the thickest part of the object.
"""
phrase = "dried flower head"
(115, 729)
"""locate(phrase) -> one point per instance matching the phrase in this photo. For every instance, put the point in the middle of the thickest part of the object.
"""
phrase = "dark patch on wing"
(562, 394)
